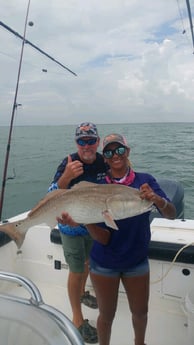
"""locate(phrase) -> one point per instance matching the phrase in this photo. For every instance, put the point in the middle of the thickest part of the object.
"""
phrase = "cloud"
(133, 62)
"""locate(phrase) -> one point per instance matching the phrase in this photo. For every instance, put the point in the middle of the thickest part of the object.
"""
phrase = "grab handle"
(26, 283)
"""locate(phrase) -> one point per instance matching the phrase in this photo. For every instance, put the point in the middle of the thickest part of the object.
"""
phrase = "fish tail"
(11, 230)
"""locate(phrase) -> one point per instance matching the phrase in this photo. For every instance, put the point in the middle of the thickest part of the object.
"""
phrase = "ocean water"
(166, 150)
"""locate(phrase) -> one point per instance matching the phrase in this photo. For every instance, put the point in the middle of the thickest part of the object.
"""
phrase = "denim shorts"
(137, 270)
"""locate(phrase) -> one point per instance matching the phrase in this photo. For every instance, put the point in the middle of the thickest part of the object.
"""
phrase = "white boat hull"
(171, 308)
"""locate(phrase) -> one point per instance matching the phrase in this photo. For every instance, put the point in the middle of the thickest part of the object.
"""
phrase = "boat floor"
(167, 325)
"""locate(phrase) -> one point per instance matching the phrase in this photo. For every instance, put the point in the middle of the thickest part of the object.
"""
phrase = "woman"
(123, 255)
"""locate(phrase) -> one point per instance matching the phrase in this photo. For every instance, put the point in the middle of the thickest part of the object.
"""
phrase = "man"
(84, 165)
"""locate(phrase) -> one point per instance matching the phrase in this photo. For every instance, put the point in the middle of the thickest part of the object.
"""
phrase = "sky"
(133, 59)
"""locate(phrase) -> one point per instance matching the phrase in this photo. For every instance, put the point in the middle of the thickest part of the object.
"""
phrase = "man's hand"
(72, 170)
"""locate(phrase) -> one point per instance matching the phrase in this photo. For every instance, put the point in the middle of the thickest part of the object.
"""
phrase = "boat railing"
(26, 283)
(63, 324)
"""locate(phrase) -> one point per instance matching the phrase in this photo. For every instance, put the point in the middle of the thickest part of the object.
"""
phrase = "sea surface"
(166, 150)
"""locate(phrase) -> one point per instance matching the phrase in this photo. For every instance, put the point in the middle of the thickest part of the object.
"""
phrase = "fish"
(86, 203)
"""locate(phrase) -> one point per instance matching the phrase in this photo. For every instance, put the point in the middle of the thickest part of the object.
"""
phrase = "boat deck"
(168, 322)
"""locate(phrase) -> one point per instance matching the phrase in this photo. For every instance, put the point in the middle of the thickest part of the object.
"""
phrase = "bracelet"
(165, 204)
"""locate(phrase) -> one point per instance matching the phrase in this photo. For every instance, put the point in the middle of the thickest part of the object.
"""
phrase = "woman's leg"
(137, 289)
(106, 290)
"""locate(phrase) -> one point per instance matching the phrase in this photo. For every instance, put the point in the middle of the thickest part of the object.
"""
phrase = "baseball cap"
(114, 138)
(86, 129)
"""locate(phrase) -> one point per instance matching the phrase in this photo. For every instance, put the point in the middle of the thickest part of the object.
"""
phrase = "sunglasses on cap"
(84, 142)
(110, 153)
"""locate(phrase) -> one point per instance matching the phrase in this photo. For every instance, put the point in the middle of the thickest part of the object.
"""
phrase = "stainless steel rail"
(36, 297)
(66, 326)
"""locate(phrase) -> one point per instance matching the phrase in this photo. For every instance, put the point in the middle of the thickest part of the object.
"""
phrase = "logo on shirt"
(100, 176)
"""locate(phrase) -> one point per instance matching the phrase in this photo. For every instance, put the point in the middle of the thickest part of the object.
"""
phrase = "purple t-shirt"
(129, 245)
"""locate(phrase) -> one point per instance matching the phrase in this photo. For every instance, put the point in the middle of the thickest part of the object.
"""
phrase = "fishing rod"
(12, 116)
(34, 46)
(190, 21)
(15, 104)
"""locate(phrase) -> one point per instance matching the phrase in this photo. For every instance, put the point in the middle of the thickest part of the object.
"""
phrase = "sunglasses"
(85, 142)
(110, 153)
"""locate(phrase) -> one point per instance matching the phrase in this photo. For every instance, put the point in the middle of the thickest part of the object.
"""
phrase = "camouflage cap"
(114, 138)
(86, 129)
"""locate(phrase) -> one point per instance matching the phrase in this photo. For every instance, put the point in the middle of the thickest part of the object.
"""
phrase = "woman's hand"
(146, 192)
(66, 219)
(167, 209)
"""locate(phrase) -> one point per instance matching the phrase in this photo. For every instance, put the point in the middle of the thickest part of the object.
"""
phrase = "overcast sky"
(133, 59)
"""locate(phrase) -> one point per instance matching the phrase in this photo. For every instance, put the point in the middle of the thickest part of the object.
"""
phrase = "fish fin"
(109, 221)
(84, 184)
(54, 194)
(13, 233)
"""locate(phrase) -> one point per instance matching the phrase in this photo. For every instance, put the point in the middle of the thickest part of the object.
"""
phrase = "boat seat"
(31, 321)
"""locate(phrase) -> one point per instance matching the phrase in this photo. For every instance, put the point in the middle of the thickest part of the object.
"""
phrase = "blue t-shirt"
(94, 172)
(127, 246)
